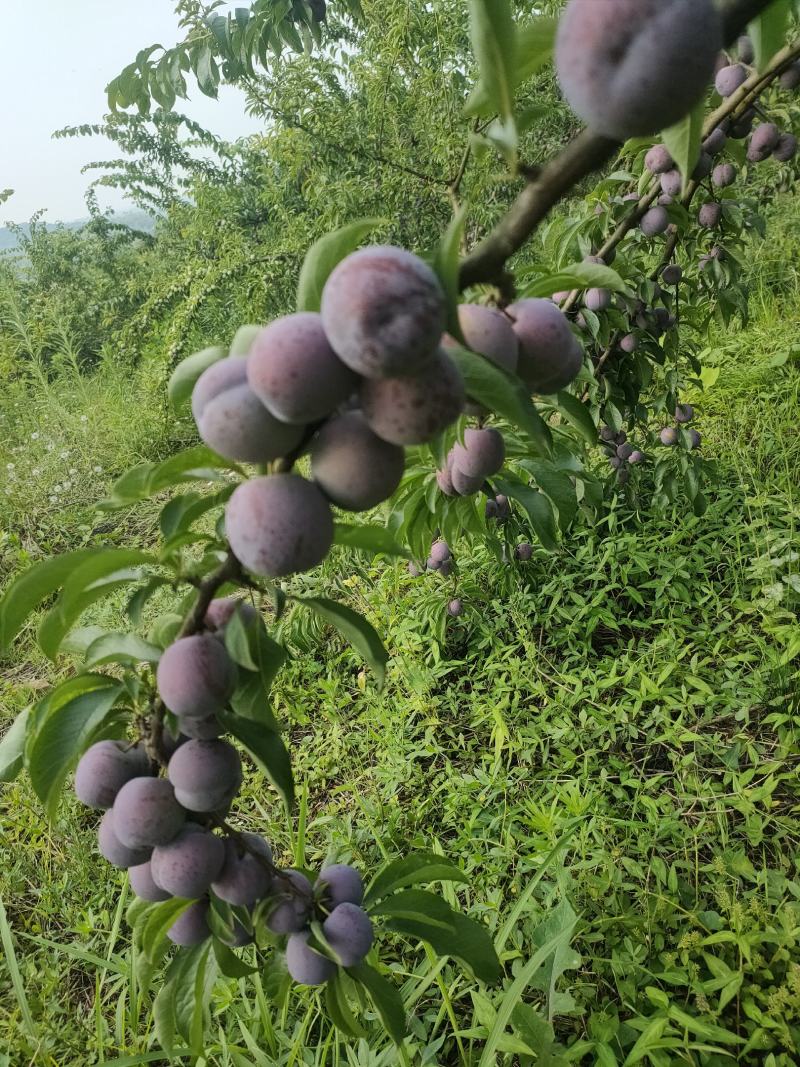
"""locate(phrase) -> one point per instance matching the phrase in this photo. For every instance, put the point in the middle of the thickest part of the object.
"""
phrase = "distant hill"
(136, 219)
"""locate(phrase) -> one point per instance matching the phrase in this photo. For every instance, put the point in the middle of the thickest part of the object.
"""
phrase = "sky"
(57, 58)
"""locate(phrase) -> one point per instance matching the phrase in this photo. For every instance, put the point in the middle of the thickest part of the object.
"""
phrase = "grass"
(606, 742)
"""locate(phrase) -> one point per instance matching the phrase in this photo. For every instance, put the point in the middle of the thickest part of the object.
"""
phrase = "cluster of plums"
(440, 560)
(620, 451)
(669, 436)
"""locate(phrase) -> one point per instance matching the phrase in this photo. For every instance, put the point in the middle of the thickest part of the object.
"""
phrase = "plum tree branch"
(581, 157)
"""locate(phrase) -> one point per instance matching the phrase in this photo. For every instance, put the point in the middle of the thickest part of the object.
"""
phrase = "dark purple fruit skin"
(292, 912)
(466, 484)
(105, 767)
(790, 78)
(339, 884)
(348, 931)
(188, 865)
(635, 457)
(412, 410)
(482, 454)
(743, 125)
(658, 160)
(445, 482)
(232, 420)
(629, 343)
(205, 774)
(715, 142)
(353, 467)
(669, 436)
(146, 812)
(764, 139)
(142, 883)
(723, 175)
(279, 525)
(113, 850)
(295, 373)
(440, 551)
(523, 552)
(200, 729)
(786, 148)
(488, 332)
(550, 356)
(744, 46)
(191, 927)
(455, 608)
(617, 61)
(672, 183)
(729, 79)
(304, 964)
(244, 879)
(710, 215)
(625, 451)
(703, 167)
(695, 440)
(672, 274)
(383, 311)
(196, 677)
(655, 220)
(684, 413)
(220, 612)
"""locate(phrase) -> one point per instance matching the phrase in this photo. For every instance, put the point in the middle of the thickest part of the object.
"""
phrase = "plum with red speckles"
(355, 468)
(730, 78)
(196, 677)
(305, 964)
(205, 774)
(143, 885)
(654, 221)
(232, 420)
(348, 931)
(113, 850)
(187, 865)
(383, 312)
(413, 410)
(191, 927)
(550, 356)
(295, 373)
(279, 525)
(105, 767)
(617, 61)
(480, 456)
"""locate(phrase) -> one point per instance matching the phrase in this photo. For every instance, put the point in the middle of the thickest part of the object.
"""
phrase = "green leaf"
(446, 264)
(31, 587)
(683, 141)
(12, 747)
(409, 870)
(267, 749)
(183, 378)
(251, 700)
(251, 647)
(191, 992)
(502, 393)
(418, 905)
(63, 725)
(228, 962)
(243, 340)
(374, 540)
(159, 920)
(578, 415)
(386, 999)
(534, 48)
(494, 42)
(538, 508)
(194, 464)
(355, 628)
(339, 1010)
(558, 487)
(768, 32)
(462, 938)
(577, 276)
(121, 648)
(324, 255)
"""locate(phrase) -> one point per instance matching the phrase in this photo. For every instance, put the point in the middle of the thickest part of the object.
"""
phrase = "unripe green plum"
(354, 467)
(105, 767)
(196, 677)
(147, 813)
(597, 299)
(715, 142)
(790, 78)
(414, 410)
(629, 343)
(279, 525)
(232, 420)
(295, 373)
(710, 215)
(744, 46)
(672, 274)
(205, 775)
(440, 551)
(654, 221)
(220, 612)
(523, 551)
(383, 311)
(191, 927)
(113, 850)
(617, 61)
(723, 175)
(729, 79)
(684, 413)
(143, 885)
(669, 436)
(455, 608)
(305, 964)
(489, 332)
(786, 148)
(764, 139)
(244, 879)
(339, 884)
(291, 911)
(658, 160)
(671, 183)
(348, 931)
(482, 454)
(550, 356)
(187, 865)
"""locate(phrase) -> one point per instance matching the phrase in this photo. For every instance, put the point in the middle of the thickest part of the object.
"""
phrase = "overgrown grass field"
(607, 742)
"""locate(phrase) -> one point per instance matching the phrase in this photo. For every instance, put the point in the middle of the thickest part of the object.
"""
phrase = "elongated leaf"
(502, 393)
(409, 870)
(158, 921)
(63, 726)
(324, 255)
(386, 999)
(494, 43)
(251, 701)
(27, 591)
(768, 32)
(243, 340)
(268, 750)
(416, 904)
(445, 263)
(463, 939)
(578, 415)
(121, 648)
(183, 378)
(577, 276)
(251, 647)
(374, 540)
(534, 48)
(12, 747)
(538, 508)
(683, 141)
(194, 464)
(339, 1009)
(355, 628)
(229, 963)
(558, 487)
(64, 614)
